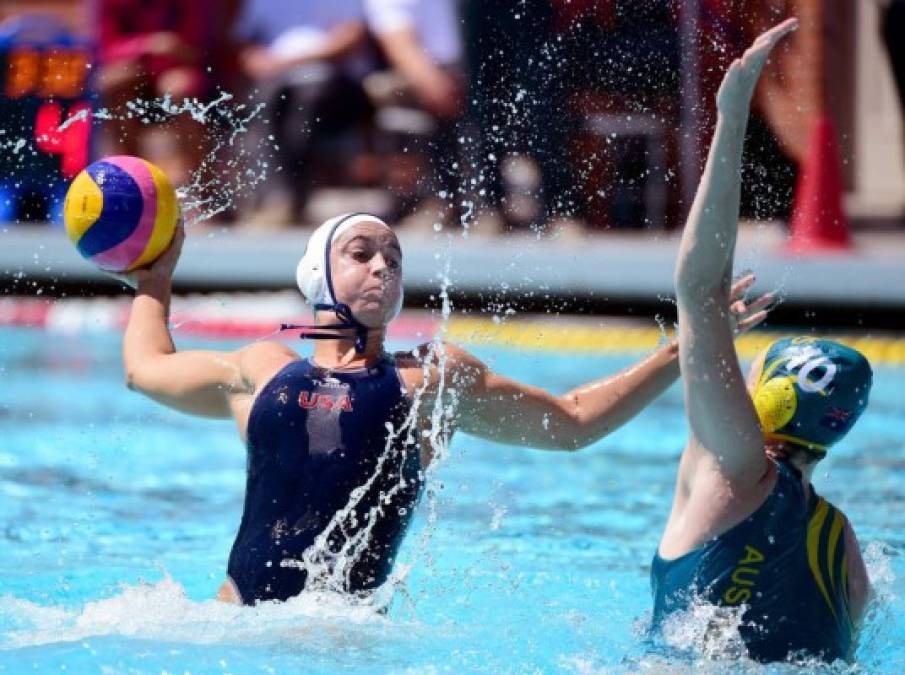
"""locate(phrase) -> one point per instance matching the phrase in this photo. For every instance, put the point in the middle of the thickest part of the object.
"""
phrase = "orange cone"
(819, 223)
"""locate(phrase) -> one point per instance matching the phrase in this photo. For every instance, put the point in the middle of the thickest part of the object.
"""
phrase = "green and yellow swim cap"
(811, 391)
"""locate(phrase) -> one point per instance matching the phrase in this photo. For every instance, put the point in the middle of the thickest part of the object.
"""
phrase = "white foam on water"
(711, 631)
(706, 639)
(162, 611)
(878, 558)
(881, 619)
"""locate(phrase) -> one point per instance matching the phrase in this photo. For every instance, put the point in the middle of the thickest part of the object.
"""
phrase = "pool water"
(117, 517)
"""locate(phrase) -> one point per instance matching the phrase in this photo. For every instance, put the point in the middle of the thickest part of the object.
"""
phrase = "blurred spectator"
(790, 93)
(421, 41)
(221, 55)
(621, 86)
(621, 48)
(518, 71)
(148, 49)
(307, 60)
(542, 67)
(893, 26)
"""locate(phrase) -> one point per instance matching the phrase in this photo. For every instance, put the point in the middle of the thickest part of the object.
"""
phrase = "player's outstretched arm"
(500, 409)
(503, 410)
(723, 421)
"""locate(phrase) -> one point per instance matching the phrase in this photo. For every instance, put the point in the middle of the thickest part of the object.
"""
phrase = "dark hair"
(804, 455)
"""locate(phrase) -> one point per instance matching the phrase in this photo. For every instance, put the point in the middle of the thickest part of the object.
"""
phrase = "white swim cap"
(311, 273)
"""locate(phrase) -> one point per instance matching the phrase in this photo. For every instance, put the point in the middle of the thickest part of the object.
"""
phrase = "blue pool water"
(117, 516)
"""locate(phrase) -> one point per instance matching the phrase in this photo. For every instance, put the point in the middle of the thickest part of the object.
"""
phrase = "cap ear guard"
(313, 271)
(310, 279)
(775, 401)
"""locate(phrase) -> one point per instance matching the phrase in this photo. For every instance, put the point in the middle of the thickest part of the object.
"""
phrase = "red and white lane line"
(249, 316)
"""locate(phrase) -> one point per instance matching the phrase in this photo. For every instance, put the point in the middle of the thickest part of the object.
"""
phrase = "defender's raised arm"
(723, 420)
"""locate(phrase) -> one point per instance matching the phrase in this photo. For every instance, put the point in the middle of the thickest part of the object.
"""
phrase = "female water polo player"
(337, 442)
(747, 530)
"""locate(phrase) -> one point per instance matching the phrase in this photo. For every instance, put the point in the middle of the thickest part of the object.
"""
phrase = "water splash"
(163, 611)
(234, 164)
(881, 619)
(13, 146)
(706, 638)
(442, 413)
(711, 631)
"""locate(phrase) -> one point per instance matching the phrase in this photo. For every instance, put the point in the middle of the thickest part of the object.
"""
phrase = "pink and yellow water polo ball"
(121, 213)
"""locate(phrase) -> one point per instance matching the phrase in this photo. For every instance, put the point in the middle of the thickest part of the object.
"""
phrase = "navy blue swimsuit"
(314, 436)
(785, 562)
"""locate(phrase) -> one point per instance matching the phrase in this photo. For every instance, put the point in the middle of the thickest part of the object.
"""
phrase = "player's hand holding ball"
(122, 215)
(161, 270)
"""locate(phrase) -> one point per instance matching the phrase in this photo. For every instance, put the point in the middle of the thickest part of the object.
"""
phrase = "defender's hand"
(746, 316)
(734, 96)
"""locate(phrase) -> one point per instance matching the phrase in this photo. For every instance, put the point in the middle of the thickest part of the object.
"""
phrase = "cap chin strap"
(346, 320)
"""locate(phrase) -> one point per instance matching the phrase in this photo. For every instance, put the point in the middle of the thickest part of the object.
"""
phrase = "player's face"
(366, 264)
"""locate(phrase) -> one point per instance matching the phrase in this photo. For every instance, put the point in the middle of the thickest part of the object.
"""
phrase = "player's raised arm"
(723, 421)
(195, 382)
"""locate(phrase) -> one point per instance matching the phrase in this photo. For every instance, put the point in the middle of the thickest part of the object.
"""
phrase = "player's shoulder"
(435, 353)
(266, 349)
(457, 363)
(262, 359)
(426, 366)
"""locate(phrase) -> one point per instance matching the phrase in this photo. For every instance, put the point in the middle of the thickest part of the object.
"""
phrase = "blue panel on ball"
(123, 204)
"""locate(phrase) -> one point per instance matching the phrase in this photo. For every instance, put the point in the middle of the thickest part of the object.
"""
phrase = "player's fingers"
(179, 237)
(765, 43)
(779, 31)
(741, 285)
(752, 321)
(764, 301)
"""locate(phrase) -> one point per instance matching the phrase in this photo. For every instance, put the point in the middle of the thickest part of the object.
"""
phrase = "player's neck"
(341, 353)
(783, 451)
